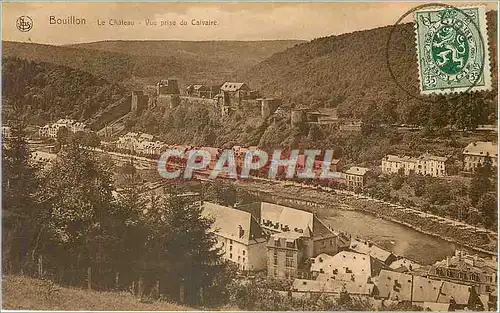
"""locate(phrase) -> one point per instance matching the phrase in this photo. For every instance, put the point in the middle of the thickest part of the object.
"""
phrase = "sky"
(234, 21)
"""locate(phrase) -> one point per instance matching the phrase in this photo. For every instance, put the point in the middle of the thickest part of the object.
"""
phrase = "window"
(231, 241)
(244, 252)
(230, 248)
(231, 256)
(243, 260)
(239, 258)
(289, 262)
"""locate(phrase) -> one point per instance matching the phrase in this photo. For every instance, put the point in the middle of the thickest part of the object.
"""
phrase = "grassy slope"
(21, 293)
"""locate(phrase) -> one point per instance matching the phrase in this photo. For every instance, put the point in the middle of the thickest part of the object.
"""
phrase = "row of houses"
(266, 236)
(140, 143)
(364, 273)
(296, 245)
(475, 154)
(425, 164)
(51, 130)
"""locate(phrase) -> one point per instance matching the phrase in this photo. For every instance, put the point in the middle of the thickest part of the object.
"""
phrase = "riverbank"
(317, 200)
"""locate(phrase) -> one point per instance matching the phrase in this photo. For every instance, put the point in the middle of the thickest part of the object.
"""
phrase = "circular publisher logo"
(24, 23)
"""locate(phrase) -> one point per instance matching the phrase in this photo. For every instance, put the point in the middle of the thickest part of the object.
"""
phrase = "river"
(399, 239)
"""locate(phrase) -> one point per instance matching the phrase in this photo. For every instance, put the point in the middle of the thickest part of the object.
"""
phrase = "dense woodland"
(350, 72)
(128, 61)
(48, 92)
(66, 219)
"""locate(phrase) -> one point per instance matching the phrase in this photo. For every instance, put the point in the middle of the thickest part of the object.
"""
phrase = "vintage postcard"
(249, 156)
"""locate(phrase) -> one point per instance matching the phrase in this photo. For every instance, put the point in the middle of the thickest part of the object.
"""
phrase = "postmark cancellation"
(452, 49)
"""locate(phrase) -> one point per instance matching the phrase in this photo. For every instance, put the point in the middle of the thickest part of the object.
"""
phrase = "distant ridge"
(118, 61)
(349, 71)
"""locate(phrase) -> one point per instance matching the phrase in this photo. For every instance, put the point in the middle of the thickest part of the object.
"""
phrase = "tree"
(128, 229)
(397, 181)
(220, 193)
(438, 192)
(481, 182)
(371, 120)
(20, 203)
(63, 135)
(181, 247)
(92, 140)
(488, 207)
(79, 189)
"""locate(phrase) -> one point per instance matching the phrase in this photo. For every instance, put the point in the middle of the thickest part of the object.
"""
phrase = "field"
(22, 293)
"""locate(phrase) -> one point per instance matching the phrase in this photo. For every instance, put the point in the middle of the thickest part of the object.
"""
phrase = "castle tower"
(167, 87)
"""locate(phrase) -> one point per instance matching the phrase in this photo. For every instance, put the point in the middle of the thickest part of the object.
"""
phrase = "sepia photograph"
(249, 156)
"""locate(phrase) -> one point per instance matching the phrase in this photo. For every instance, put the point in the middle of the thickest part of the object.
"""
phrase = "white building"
(476, 153)
(426, 164)
(431, 165)
(50, 130)
(239, 236)
(346, 266)
(355, 176)
(392, 164)
(140, 143)
(6, 132)
(150, 147)
(297, 235)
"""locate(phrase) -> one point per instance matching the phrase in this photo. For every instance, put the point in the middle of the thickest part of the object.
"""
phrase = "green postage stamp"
(452, 49)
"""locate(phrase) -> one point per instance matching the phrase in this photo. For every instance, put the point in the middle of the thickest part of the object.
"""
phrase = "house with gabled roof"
(198, 90)
(296, 236)
(355, 176)
(239, 236)
(345, 266)
(234, 92)
(420, 290)
(477, 152)
(367, 247)
(467, 269)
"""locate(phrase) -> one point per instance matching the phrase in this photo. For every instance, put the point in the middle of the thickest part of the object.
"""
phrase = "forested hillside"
(350, 72)
(235, 54)
(147, 61)
(49, 92)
